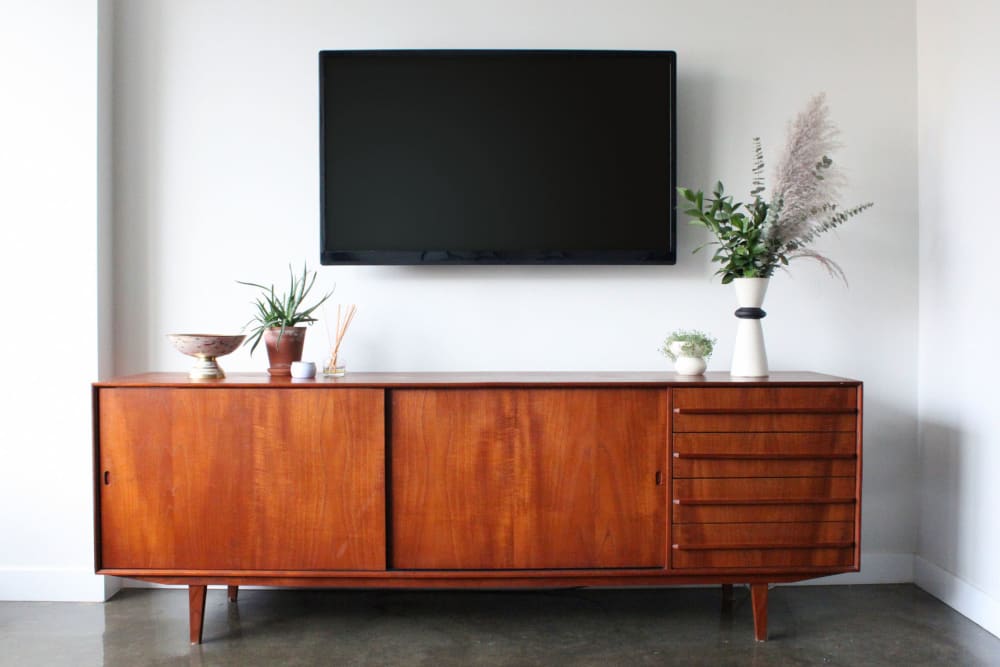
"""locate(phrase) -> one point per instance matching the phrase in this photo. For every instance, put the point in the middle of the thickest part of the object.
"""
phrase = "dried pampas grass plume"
(807, 186)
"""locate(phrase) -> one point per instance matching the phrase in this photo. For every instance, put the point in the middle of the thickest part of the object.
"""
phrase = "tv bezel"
(665, 256)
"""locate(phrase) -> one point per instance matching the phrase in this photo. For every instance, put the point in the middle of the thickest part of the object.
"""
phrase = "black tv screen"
(497, 157)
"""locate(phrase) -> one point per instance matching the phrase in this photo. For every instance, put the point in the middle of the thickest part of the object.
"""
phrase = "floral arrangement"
(757, 237)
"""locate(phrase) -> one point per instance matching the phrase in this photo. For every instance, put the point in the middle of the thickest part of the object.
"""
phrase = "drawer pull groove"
(766, 411)
(774, 545)
(762, 501)
(765, 457)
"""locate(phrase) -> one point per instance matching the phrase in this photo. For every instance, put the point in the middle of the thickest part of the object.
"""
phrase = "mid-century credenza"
(467, 480)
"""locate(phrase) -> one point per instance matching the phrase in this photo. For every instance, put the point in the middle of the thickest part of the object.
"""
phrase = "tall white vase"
(749, 356)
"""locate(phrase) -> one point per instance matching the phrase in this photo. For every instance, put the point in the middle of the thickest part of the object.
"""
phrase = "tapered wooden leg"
(727, 597)
(233, 592)
(758, 598)
(196, 610)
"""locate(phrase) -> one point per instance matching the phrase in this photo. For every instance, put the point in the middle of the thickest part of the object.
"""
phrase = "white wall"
(49, 212)
(959, 140)
(215, 165)
(217, 180)
(215, 176)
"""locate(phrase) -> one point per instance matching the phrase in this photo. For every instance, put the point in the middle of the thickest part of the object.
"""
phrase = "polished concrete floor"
(829, 625)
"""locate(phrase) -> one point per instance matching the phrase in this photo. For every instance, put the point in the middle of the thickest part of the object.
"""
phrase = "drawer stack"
(765, 478)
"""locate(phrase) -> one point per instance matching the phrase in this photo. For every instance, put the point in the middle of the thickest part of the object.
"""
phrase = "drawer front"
(765, 455)
(824, 409)
(739, 398)
(818, 445)
(756, 421)
(770, 512)
(692, 467)
(802, 490)
(747, 559)
(828, 534)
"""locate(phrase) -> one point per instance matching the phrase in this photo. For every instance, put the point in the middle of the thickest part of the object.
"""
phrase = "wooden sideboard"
(468, 480)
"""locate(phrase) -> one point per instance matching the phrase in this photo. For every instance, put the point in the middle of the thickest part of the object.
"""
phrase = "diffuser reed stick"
(345, 316)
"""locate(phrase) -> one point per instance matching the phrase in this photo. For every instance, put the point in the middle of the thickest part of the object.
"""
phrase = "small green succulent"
(694, 344)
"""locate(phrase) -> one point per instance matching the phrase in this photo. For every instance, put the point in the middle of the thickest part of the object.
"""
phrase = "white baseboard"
(54, 585)
(875, 569)
(72, 585)
(963, 597)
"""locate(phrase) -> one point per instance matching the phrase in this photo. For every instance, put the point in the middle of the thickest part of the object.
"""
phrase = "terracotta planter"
(282, 353)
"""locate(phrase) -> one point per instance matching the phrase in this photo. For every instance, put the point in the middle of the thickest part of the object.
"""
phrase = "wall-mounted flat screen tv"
(497, 157)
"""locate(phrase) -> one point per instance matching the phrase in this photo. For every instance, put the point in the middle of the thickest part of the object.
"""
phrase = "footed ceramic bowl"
(206, 347)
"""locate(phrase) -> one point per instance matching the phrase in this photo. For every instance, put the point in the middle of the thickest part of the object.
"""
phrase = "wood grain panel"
(758, 489)
(528, 478)
(479, 579)
(135, 478)
(473, 379)
(764, 422)
(814, 444)
(242, 479)
(696, 467)
(788, 398)
(770, 513)
(729, 535)
(748, 559)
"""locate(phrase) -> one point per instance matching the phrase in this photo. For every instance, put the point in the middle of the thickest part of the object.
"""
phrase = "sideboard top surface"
(484, 379)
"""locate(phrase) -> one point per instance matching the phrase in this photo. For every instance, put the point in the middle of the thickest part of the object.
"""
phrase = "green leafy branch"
(738, 228)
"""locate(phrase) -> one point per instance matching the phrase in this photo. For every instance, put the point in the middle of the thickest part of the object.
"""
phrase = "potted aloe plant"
(277, 317)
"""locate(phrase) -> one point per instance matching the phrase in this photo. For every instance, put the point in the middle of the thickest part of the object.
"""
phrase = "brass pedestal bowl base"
(206, 348)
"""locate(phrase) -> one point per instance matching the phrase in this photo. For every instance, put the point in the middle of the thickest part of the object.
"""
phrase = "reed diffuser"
(335, 366)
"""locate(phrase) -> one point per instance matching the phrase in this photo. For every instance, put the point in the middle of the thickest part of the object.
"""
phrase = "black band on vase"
(750, 313)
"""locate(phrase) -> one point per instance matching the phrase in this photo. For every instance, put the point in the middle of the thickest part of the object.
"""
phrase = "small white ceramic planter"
(690, 365)
(685, 365)
(303, 370)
